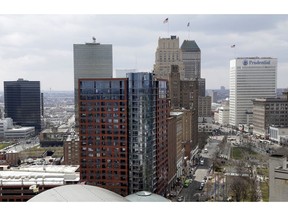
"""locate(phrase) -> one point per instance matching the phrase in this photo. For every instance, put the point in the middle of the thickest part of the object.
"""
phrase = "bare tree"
(239, 187)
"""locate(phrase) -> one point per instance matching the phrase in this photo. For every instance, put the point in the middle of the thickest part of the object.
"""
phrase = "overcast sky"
(40, 47)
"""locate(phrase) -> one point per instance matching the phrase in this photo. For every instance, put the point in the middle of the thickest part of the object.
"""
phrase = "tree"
(239, 187)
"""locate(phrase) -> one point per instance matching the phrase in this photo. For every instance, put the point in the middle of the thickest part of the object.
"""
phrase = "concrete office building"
(23, 103)
(278, 134)
(9, 131)
(278, 177)
(204, 106)
(22, 183)
(91, 60)
(250, 78)
(168, 53)
(223, 114)
(214, 95)
(268, 112)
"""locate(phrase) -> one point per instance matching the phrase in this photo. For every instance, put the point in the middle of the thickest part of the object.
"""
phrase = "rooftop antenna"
(94, 39)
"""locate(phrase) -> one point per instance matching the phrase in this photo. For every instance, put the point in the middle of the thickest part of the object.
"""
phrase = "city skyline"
(29, 52)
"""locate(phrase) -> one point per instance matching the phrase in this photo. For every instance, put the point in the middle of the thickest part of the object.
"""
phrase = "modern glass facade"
(22, 102)
(103, 133)
(142, 132)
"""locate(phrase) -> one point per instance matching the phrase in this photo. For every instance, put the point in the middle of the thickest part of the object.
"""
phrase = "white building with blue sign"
(250, 78)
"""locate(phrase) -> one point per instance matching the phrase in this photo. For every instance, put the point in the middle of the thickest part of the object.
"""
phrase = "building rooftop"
(176, 113)
(256, 57)
(43, 175)
(190, 46)
(58, 130)
(270, 100)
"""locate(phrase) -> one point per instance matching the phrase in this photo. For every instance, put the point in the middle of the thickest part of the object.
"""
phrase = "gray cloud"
(40, 47)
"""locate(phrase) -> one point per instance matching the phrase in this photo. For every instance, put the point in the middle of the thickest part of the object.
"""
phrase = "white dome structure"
(78, 193)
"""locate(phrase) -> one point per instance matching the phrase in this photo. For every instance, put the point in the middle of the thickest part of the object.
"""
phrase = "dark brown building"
(162, 115)
(103, 133)
(71, 150)
(184, 94)
(172, 152)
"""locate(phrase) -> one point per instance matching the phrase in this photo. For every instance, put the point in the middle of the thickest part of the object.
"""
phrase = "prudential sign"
(256, 62)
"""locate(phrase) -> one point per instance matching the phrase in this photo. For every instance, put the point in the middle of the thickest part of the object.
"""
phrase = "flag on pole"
(188, 24)
(166, 20)
(233, 46)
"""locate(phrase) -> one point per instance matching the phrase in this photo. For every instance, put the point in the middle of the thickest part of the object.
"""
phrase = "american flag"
(166, 20)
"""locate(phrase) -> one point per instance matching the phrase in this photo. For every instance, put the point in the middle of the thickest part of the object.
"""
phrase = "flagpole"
(188, 25)
(168, 29)
(167, 21)
(234, 47)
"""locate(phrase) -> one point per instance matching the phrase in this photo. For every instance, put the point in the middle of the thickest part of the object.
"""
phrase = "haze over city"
(40, 47)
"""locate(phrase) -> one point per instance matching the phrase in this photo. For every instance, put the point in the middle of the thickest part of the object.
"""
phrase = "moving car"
(201, 186)
(186, 183)
(201, 161)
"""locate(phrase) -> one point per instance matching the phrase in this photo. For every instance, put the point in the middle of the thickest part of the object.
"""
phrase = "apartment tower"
(123, 133)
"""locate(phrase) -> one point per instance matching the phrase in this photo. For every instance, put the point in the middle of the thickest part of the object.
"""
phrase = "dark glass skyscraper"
(22, 102)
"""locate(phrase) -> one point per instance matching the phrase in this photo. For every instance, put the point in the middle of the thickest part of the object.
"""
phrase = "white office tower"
(250, 78)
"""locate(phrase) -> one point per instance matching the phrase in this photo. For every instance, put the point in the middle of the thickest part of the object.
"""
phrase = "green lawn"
(38, 151)
(3, 145)
(237, 152)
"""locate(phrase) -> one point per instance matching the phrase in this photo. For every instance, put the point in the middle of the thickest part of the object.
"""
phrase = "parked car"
(205, 150)
(180, 199)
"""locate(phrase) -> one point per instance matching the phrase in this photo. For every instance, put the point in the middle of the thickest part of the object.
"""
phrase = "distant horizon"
(42, 91)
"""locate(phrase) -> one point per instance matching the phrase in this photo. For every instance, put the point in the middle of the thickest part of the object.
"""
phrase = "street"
(193, 192)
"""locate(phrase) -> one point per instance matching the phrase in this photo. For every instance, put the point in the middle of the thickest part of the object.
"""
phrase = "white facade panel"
(250, 78)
